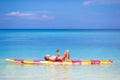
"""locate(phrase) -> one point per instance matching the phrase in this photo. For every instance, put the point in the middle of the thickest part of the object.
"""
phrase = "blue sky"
(60, 14)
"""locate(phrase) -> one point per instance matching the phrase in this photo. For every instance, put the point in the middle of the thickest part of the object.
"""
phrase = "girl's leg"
(66, 55)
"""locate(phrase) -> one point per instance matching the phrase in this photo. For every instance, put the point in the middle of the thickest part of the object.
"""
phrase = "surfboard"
(81, 62)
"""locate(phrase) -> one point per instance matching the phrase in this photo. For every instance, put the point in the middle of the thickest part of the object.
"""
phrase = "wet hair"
(46, 58)
(57, 50)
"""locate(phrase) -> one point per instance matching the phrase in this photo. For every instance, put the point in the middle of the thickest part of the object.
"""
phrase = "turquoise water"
(82, 44)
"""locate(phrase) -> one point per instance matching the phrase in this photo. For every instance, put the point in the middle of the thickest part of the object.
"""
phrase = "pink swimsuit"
(55, 59)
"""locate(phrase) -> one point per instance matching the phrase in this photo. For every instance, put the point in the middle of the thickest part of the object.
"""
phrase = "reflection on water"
(37, 72)
(59, 72)
(57, 68)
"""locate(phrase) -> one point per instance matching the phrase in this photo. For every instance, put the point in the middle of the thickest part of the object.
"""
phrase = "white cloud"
(40, 15)
(47, 17)
(18, 13)
(89, 2)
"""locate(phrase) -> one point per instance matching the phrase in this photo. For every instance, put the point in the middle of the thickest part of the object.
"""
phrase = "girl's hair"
(46, 58)
(57, 50)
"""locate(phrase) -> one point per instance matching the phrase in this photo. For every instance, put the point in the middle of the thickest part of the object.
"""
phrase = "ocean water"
(82, 44)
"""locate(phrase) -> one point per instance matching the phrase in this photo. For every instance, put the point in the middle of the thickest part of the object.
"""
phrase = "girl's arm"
(58, 54)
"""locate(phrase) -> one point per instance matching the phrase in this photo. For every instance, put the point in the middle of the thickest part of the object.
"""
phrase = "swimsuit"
(54, 58)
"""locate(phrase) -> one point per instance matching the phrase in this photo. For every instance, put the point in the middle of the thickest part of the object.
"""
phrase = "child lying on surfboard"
(64, 57)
